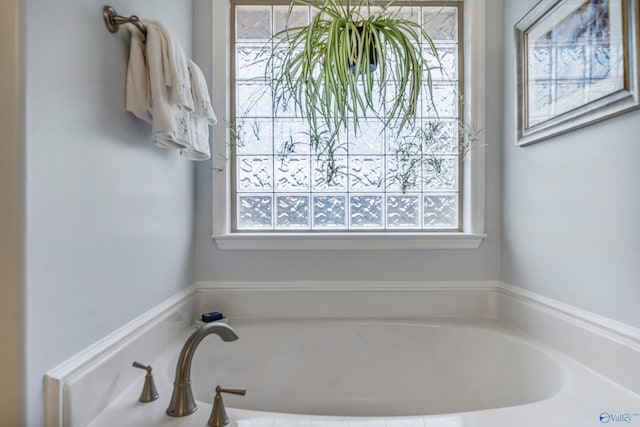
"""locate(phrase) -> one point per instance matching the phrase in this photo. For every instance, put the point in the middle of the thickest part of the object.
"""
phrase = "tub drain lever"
(219, 414)
(149, 392)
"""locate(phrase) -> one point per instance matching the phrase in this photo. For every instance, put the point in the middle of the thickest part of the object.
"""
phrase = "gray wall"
(480, 264)
(109, 217)
(571, 208)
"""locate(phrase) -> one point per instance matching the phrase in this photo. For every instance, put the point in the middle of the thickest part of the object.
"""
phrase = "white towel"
(137, 89)
(201, 118)
(171, 122)
(176, 71)
(200, 93)
(199, 138)
(168, 90)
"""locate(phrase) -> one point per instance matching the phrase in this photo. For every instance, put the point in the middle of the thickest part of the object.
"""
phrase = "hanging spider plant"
(352, 60)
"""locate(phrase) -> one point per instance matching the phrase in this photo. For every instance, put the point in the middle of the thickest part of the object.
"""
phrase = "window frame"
(472, 172)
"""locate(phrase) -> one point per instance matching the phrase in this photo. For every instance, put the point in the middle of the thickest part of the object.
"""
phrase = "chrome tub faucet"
(182, 401)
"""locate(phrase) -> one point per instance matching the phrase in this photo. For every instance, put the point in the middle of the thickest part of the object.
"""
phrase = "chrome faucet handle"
(149, 392)
(218, 416)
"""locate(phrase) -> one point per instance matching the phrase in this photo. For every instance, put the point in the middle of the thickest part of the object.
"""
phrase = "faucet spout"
(182, 401)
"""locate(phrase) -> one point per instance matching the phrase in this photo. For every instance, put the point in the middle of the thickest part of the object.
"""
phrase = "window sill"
(341, 241)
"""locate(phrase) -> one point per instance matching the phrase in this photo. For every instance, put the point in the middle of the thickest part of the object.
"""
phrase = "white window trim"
(474, 171)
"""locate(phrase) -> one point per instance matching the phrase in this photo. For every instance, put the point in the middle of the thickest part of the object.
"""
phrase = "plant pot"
(372, 57)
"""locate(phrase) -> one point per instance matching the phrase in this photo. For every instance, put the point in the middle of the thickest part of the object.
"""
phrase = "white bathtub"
(374, 368)
(438, 357)
(390, 373)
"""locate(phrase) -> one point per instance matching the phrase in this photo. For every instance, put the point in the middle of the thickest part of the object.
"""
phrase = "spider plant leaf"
(326, 67)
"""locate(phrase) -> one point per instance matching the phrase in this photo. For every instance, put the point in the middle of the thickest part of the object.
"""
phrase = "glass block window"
(388, 183)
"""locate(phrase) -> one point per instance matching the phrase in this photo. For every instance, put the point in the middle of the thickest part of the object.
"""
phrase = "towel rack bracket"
(113, 21)
(109, 14)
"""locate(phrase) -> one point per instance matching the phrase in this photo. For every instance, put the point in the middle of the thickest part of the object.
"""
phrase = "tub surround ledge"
(79, 389)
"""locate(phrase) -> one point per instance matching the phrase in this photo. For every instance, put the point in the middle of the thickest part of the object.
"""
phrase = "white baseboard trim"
(315, 285)
(81, 387)
(78, 389)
